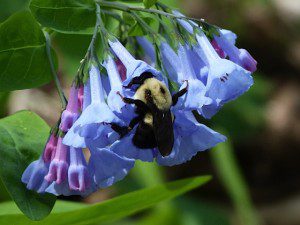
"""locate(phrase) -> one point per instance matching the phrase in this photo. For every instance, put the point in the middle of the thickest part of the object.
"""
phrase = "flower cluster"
(101, 116)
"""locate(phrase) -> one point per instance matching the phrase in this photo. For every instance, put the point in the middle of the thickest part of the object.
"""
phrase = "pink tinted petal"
(121, 69)
(80, 96)
(218, 49)
(50, 148)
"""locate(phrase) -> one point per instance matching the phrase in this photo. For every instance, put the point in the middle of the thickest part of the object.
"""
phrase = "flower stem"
(127, 8)
(61, 94)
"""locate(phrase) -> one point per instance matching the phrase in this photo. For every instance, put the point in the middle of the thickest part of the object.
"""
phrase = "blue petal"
(63, 189)
(227, 81)
(123, 111)
(134, 68)
(190, 138)
(108, 167)
(147, 47)
(209, 110)
(171, 62)
(94, 114)
(229, 35)
(125, 147)
(73, 139)
(34, 175)
(195, 98)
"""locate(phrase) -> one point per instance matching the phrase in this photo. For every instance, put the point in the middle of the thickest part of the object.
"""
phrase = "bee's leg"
(139, 80)
(136, 102)
(124, 130)
(177, 95)
(121, 130)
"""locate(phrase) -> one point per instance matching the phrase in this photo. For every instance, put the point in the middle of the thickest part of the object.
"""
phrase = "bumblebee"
(152, 101)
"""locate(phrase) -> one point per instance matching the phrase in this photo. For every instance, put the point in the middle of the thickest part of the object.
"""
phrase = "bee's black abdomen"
(144, 137)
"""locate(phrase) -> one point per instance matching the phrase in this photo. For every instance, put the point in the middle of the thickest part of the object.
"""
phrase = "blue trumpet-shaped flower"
(34, 175)
(239, 56)
(71, 113)
(148, 48)
(190, 138)
(98, 113)
(106, 166)
(225, 80)
(115, 103)
(134, 67)
(195, 98)
(78, 181)
(73, 138)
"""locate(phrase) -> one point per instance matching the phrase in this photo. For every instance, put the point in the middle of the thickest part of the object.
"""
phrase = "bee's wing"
(163, 131)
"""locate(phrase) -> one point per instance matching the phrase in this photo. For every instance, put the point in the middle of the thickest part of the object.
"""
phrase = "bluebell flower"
(71, 113)
(34, 175)
(115, 103)
(239, 56)
(78, 180)
(59, 165)
(50, 148)
(134, 67)
(195, 98)
(190, 137)
(106, 166)
(78, 175)
(148, 48)
(96, 114)
(225, 80)
(171, 63)
(73, 138)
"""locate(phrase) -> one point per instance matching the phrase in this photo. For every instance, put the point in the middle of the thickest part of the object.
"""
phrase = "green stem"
(230, 175)
(104, 34)
(53, 72)
(127, 8)
(143, 24)
(91, 52)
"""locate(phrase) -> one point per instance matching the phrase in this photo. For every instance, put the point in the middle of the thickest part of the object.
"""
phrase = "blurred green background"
(256, 173)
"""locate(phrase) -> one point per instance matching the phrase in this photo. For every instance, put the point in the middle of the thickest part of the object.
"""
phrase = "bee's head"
(153, 91)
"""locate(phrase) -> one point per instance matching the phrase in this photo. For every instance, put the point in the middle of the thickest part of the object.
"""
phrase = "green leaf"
(107, 211)
(22, 138)
(137, 30)
(23, 59)
(66, 16)
(149, 3)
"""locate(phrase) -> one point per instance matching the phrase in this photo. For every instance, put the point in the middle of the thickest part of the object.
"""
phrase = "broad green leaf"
(149, 3)
(22, 138)
(106, 211)
(23, 59)
(66, 16)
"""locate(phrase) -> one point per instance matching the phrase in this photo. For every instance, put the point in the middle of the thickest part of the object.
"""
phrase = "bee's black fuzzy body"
(153, 101)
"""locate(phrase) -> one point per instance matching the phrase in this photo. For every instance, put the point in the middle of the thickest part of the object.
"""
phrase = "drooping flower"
(190, 137)
(98, 113)
(93, 128)
(195, 98)
(59, 165)
(240, 56)
(71, 113)
(225, 80)
(50, 148)
(34, 175)
(115, 103)
(134, 67)
(148, 48)
(108, 167)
